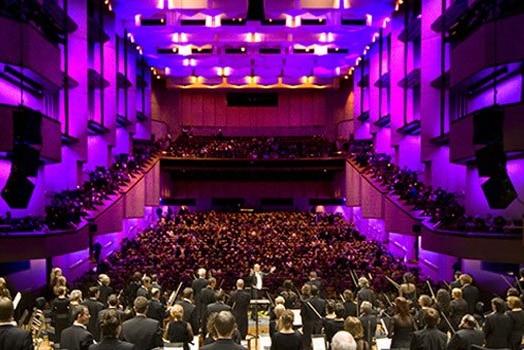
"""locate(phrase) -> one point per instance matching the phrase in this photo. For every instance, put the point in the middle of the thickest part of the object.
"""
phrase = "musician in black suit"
(190, 313)
(256, 279)
(111, 327)
(156, 310)
(470, 293)
(365, 293)
(198, 285)
(239, 302)
(105, 289)
(217, 306)
(313, 310)
(224, 326)
(113, 303)
(469, 334)
(429, 338)
(497, 326)
(144, 332)
(207, 296)
(77, 337)
(94, 307)
(12, 337)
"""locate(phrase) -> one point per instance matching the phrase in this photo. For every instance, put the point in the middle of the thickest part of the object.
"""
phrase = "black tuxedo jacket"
(75, 338)
(94, 307)
(14, 338)
(112, 344)
(144, 332)
(190, 314)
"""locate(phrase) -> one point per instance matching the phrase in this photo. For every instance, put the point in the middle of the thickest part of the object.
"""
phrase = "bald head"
(343, 340)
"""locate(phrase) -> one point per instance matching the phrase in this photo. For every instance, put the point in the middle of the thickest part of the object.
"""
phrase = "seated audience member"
(12, 337)
(224, 326)
(287, 338)
(77, 337)
(110, 327)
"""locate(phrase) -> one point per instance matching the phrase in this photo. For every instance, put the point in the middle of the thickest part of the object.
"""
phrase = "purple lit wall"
(508, 92)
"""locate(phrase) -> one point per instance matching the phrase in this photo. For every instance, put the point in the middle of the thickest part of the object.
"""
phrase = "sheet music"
(264, 341)
(318, 341)
(297, 322)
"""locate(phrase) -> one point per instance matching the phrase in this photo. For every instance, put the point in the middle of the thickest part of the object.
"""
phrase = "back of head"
(225, 324)
(287, 317)
(514, 302)
(469, 322)
(177, 312)
(431, 317)
(348, 295)
(343, 340)
(78, 310)
(140, 304)
(314, 290)
(112, 300)
(465, 279)
(366, 307)
(279, 309)
(187, 293)
(92, 292)
(425, 300)
(109, 324)
(201, 273)
(498, 304)
(6, 309)
(354, 326)
(240, 283)
(340, 310)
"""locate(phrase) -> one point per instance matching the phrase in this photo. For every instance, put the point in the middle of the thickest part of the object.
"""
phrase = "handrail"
(95, 213)
(423, 220)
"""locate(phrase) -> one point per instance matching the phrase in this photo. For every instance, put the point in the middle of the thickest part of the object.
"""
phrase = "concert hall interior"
(131, 123)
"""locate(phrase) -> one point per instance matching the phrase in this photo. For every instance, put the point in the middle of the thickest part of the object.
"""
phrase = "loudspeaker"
(17, 191)
(488, 126)
(255, 10)
(499, 191)
(25, 160)
(27, 126)
(491, 159)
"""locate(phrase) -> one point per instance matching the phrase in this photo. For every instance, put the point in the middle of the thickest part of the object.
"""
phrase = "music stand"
(255, 303)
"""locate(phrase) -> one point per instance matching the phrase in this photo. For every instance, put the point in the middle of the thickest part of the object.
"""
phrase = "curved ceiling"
(255, 43)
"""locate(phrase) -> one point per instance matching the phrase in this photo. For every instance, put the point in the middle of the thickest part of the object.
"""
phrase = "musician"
(224, 326)
(77, 337)
(178, 330)
(369, 321)
(286, 338)
(365, 293)
(61, 312)
(314, 280)
(458, 307)
(156, 310)
(497, 326)
(114, 304)
(94, 307)
(468, 334)
(4, 292)
(144, 332)
(12, 337)
(343, 340)
(470, 293)
(190, 313)
(198, 285)
(408, 289)
(110, 326)
(312, 311)
(207, 296)
(349, 303)
(239, 302)
(429, 338)
(105, 289)
(217, 306)
(256, 277)
(517, 320)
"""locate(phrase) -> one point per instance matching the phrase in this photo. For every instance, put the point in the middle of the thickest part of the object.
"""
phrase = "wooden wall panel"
(133, 200)
(372, 201)
(152, 187)
(353, 186)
